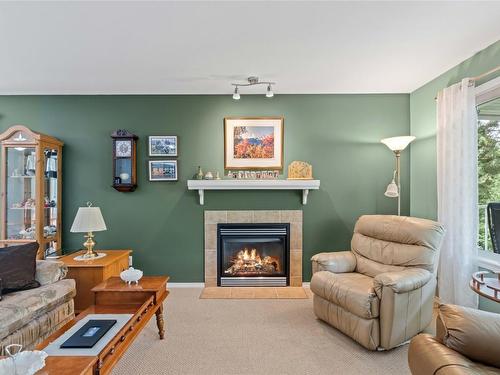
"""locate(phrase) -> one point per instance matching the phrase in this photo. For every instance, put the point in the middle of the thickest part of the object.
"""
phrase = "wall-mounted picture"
(162, 145)
(163, 170)
(253, 143)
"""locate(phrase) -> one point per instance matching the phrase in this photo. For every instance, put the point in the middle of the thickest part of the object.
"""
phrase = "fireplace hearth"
(253, 254)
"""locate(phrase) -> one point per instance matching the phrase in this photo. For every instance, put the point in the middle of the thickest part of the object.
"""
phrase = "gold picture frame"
(251, 149)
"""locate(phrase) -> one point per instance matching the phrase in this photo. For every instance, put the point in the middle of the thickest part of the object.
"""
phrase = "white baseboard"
(186, 285)
(202, 285)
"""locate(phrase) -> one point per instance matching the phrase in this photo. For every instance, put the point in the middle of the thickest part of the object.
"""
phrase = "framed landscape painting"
(163, 170)
(162, 145)
(253, 143)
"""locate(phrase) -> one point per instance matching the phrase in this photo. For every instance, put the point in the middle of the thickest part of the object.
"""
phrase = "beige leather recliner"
(381, 293)
(467, 342)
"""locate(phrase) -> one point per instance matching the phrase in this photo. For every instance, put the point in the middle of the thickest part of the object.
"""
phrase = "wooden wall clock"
(124, 160)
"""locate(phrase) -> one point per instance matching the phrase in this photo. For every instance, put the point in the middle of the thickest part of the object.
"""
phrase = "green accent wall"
(423, 201)
(162, 221)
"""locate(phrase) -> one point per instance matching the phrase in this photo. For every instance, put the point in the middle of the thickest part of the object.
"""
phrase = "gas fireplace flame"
(249, 262)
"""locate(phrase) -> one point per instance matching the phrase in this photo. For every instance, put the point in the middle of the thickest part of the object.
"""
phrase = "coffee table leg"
(160, 323)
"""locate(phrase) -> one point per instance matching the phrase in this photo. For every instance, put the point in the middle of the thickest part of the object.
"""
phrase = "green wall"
(162, 221)
(423, 201)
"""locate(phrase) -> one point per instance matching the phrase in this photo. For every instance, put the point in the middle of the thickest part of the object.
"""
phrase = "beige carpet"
(288, 292)
(250, 337)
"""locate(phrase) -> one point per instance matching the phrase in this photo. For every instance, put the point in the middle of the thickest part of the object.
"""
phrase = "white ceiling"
(83, 47)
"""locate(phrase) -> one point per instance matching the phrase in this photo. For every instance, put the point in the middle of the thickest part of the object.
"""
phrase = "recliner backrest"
(384, 243)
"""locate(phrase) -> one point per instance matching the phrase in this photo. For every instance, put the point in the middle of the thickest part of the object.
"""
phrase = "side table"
(89, 273)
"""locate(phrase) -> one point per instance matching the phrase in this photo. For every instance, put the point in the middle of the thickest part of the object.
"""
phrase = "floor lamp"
(396, 144)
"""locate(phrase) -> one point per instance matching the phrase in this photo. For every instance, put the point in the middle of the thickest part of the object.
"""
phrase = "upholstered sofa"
(28, 317)
(467, 342)
(381, 292)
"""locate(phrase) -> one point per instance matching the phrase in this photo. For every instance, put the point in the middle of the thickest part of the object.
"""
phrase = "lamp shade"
(392, 190)
(398, 143)
(88, 219)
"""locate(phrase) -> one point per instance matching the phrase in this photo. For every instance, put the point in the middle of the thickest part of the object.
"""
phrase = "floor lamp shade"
(398, 143)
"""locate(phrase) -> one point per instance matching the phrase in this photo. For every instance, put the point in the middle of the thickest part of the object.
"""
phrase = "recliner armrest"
(401, 281)
(336, 262)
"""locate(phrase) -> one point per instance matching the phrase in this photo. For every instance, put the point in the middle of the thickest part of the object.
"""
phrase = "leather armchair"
(381, 292)
(467, 342)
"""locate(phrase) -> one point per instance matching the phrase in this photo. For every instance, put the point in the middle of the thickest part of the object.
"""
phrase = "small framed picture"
(163, 170)
(162, 145)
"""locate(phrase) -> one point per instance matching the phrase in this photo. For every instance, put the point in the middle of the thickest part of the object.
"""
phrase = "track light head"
(236, 95)
(269, 92)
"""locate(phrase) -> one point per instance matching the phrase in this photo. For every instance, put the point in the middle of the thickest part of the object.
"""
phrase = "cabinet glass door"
(20, 193)
(50, 193)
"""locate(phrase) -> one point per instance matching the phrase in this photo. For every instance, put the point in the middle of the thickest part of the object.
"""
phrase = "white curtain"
(457, 191)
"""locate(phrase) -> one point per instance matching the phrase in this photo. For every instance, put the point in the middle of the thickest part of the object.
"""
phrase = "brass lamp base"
(89, 244)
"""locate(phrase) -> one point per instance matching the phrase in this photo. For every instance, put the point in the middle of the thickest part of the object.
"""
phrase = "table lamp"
(396, 144)
(87, 220)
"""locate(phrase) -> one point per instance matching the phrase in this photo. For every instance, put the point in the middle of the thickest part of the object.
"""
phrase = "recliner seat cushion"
(354, 292)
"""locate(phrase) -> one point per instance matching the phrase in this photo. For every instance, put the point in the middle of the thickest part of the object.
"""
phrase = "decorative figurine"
(300, 170)
(199, 174)
(209, 176)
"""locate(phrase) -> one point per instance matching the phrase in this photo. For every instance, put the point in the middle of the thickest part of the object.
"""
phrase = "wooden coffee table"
(113, 296)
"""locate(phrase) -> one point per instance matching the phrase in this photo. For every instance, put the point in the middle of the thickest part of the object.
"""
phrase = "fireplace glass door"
(253, 254)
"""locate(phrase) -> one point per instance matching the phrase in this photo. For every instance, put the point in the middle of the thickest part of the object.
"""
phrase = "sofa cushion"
(50, 271)
(473, 333)
(19, 308)
(17, 267)
(352, 291)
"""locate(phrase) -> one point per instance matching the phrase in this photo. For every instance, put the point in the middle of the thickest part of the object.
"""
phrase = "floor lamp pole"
(398, 181)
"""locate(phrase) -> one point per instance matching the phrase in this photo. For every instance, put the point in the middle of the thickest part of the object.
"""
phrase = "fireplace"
(253, 254)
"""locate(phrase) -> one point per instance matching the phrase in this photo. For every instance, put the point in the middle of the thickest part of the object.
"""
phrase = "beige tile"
(296, 236)
(266, 216)
(216, 293)
(242, 293)
(265, 293)
(210, 282)
(291, 216)
(295, 281)
(215, 217)
(291, 292)
(210, 236)
(239, 216)
(210, 264)
(295, 264)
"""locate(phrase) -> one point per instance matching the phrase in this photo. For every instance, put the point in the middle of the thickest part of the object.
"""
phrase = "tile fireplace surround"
(212, 218)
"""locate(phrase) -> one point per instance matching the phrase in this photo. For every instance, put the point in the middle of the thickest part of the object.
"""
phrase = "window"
(488, 166)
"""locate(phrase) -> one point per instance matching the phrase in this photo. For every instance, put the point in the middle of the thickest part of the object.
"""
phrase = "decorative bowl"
(26, 363)
(131, 275)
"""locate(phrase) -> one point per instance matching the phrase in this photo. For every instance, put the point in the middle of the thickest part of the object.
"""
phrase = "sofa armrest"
(427, 356)
(401, 281)
(48, 271)
(336, 262)
(473, 333)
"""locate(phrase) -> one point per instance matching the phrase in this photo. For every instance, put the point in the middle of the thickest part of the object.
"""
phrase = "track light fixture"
(252, 81)
(236, 95)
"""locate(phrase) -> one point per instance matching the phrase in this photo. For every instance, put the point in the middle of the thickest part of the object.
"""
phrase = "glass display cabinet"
(31, 189)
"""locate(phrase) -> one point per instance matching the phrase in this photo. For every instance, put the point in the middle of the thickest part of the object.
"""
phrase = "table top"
(67, 365)
(111, 257)
(146, 284)
(488, 287)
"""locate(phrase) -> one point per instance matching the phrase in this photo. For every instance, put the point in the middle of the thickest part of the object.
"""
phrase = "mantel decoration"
(300, 170)
(253, 143)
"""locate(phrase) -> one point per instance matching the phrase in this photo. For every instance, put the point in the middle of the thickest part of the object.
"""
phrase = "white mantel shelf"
(202, 185)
